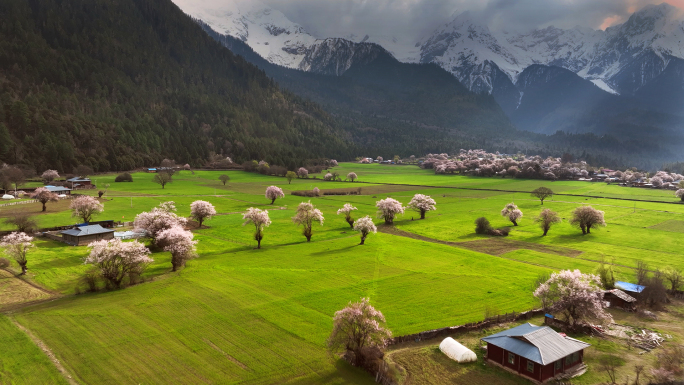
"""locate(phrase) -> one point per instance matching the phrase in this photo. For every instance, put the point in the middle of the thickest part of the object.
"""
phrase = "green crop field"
(237, 314)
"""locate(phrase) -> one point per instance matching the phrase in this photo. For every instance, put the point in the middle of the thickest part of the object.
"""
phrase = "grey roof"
(540, 344)
(622, 295)
(87, 230)
(78, 179)
(57, 188)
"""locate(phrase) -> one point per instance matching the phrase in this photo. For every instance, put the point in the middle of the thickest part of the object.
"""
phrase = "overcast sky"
(413, 19)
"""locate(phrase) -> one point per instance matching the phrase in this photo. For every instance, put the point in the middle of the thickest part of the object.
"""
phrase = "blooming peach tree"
(586, 217)
(365, 226)
(201, 211)
(303, 173)
(546, 219)
(273, 193)
(85, 207)
(680, 194)
(49, 175)
(260, 220)
(352, 176)
(356, 327)
(117, 259)
(512, 212)
(328, 177)
(157, 220)
(388, 208)
(422, 204)
(306, 215)
(577, 297)
(43, 195)
(16, 246)
(346, 210)
(179, 242)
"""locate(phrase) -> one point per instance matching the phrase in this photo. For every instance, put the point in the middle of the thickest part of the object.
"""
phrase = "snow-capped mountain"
(268, 31)
(336, 56)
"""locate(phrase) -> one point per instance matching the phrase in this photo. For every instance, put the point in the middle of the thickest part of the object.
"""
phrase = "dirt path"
(47, 352)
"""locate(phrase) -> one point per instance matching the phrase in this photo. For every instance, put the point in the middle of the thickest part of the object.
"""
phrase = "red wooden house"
(535, 352)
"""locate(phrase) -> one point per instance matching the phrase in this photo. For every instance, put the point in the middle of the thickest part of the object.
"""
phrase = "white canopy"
(456, 351)
(7, 197)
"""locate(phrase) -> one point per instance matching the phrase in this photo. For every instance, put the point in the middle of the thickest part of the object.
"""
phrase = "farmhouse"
(535, 352)
(79, 183)
(81, 236)
(632, 289)
(619, 299)
(59, 190)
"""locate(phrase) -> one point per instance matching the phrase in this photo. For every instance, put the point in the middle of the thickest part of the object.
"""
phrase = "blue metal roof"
(626, 286)
(57, 188)
(87, 230)
(78, 179)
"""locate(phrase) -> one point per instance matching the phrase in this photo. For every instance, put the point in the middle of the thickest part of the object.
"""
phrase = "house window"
(575, 357)
(568, 360)
(511, 358)
(530, 366)
(558, 365)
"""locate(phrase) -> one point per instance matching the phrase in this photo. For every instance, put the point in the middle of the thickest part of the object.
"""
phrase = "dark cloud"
(414, 19)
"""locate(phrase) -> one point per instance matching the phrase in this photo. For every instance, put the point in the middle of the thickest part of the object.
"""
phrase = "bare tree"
(674, 276)
(14, 175)
(163, 178)
(546, 219)
(224, 179)
(83, 171)
(23, 222)
(638, 370)
(609, 364)
(641, 272)
(542, 193)
(586, 217)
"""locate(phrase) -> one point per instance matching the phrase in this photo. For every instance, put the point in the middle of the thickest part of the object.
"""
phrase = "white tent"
(7, 197)
(456, 351)
(61, 196)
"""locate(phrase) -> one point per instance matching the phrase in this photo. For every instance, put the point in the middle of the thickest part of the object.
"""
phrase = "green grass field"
(241, 315)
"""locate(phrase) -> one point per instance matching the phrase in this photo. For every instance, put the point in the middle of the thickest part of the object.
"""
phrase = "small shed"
(456, 351)
(60, 190)
(632, 289)
(84, 235)
(619, 299)
(79, 182)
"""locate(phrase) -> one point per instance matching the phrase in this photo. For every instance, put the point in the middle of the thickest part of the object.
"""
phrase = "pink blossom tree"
(333, 163)
(49, 175)
(422, 204)
(260, 220)
(157, 220)
(365, 226)
(16, 246)
(680, 194)
(316, 191)
(117, 259)
(303, 173)
(306, 215)
(352, 176)
(169, 206)
(186, 167)
(85, 207)
(357, 327)
(346, 210)
(201, 211)
(328, 177)
(576, 296)
(586, 217)
(546, 219)
(657, 181)
(388, 208)
(43, 195)
(179, 243)
(512, 212)
(273, 193)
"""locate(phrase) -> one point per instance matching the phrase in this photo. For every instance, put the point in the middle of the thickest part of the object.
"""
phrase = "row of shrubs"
(316, 192)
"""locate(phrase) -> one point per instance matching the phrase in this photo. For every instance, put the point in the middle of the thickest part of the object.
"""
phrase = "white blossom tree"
(328, 177)
(273, 193)
(303, 173)
(512, 212)
(422, 204)
(85, 207)
(157, 220)
(352, 176)
(356, 327)
(680, 194)
(117, 259)
(49, 175)
(260, 220)
(306, 215)
(586, 217)
(346, 210)
(546, 219)
(365, 226)
(388, 208)
(179, 242)
(16, 246)
(577, 297)
(43, 195)
(201, 211)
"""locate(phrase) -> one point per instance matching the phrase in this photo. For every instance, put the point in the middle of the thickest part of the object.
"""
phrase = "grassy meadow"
(238, 314)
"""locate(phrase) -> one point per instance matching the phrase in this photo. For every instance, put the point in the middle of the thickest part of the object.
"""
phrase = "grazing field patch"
(14, 291)
(675, 226)
(498, 246)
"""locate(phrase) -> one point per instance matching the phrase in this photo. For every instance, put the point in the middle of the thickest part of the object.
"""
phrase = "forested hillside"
(118, 84)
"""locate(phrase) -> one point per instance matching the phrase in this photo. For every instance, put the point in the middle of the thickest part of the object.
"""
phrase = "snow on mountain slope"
(336, 56)
(267, 31)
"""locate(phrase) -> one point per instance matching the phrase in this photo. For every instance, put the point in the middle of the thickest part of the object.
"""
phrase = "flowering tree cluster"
(352, 176)
(333, 163)
(316, 191)
(359, 325)
(346, 210)
(306, 215)
(302, 172)
(388, 208)
(576, 296)
(680, 194)
(117, 259)
(512, 212)
(365, 226)
(546, 219)
(201, 211)
(179, 242)
(49, 175)
(260, 220)
(169, 206)
(273, 193)
(157, 220)
(422, 204)
(43, 195)
(328, 177)
(16, 246)
(586, 217)
(85, 207)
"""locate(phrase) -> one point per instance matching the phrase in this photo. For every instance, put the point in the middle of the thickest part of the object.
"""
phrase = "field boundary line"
(45, 349)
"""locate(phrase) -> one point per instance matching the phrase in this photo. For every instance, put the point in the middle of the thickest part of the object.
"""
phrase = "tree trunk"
(43, 206)
(200, 222)
(542, 201)
(351, 222)
(308, 238)
(273, 200)
(514, 223)
(23, 269)
(422, 214)
(584, 230)
(545, 231)
(363, 239)
(258, 243)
